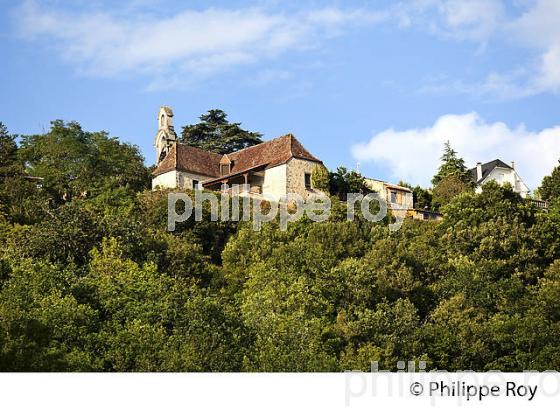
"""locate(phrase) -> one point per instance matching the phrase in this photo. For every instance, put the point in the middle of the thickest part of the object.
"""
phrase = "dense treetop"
(96, 283)
(550, 186)
(452, 165)
(216, 134)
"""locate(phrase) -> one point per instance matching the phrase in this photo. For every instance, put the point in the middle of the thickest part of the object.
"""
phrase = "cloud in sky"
(459, 19)
(539, 28)
(194, 44)
(536, 29)
(191, 42)
(413, 155)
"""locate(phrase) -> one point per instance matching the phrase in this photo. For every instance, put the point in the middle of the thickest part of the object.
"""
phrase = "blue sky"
(382, 83)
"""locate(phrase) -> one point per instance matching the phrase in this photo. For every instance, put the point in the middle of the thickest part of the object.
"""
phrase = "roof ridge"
(306, 154)
(495, 161)
(262, 142)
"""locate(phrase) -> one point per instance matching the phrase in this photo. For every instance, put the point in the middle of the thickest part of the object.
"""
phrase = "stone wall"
(277, 181)
(404, 199)
(295, 176)
(185, 179)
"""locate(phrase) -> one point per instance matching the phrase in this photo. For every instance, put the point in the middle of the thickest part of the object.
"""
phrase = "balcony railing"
(537, 203)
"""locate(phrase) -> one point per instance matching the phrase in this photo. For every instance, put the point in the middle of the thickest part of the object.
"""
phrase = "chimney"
(478, 171)
(513, 164)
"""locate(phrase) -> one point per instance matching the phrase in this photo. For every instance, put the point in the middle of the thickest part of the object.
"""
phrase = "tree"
(448, 188)
(550, 185)
(452, 165)
(320, 178)
(77, 162)
(215, 133)
(10, 165)
(99, 284)
(19, 195)
(343, 182)
(155, 322)
(422, 197)
(43, 326)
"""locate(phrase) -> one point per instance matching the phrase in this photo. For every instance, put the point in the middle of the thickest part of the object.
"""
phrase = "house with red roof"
(273, 168)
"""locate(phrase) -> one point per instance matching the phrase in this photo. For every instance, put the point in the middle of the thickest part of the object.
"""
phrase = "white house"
(275, 168)
(500, 172)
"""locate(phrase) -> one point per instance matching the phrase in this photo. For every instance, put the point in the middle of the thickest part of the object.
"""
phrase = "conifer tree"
(215, 133)
(452, 164)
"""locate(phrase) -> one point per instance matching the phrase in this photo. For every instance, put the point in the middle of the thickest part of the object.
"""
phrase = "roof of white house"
(487, 168)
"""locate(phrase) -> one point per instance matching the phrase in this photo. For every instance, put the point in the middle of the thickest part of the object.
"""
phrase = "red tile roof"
(266, 154)
(190, 159)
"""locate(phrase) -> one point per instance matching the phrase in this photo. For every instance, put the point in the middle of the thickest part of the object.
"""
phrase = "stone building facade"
(399, 198)
(271, 169)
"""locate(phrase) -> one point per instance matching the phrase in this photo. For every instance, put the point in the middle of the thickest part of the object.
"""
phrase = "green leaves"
(550, 186)
(96, 283)
(78, 163)
(214, 133)
(452, 165)
(343, 182)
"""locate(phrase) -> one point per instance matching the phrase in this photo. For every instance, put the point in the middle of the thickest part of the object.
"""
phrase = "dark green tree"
(74, 162)
(320, 178)
(550, 185)
(215, 133)
(342, 182)
(448, 188)
(10, 164)
(20, 197)
(452, 165)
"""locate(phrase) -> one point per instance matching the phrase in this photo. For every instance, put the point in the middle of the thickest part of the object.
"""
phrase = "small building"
(399, 198)
(424, 215)
(273, 168)
(500, 172)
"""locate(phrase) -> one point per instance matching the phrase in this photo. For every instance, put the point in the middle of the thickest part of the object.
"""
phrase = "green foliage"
(215, 133)
(550, 186)
(78, 163)
(44, 327)
(422, 198)
(10, 165)
(99, 284)
(320, 178)
(452, 165)
(19, 196)
(343, 182)
(448, 188)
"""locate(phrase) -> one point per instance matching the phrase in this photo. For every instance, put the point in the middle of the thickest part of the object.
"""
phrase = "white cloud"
(185, 44)
(413, 155)
(459, 19)
(191, 44)
(536, 29)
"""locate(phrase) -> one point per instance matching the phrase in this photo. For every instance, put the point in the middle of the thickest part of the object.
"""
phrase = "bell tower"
(166, 136)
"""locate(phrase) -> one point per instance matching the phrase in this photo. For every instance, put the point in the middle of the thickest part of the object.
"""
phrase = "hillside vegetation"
(91, 280)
